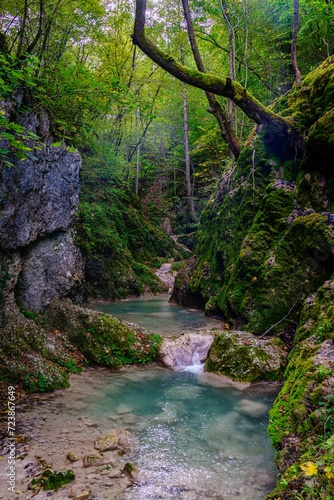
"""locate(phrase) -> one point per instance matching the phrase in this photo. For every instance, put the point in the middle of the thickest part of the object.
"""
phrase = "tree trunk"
(137, 152)
(231, 49)
(294, 43)
(186, 147)
(277, 127)
(215, 107)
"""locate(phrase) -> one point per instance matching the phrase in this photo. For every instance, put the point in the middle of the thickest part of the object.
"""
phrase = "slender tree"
(186, 146)
(294, 43)
(215, 106)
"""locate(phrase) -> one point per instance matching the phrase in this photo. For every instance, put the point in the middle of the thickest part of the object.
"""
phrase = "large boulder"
(38, 197)
(38, 200)
(244, 357)
(52, 269)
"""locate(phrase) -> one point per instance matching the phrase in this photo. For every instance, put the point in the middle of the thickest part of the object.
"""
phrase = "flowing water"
(200, 437)
(158, 315)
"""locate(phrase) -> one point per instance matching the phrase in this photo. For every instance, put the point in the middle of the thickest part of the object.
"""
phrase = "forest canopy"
(76, 60)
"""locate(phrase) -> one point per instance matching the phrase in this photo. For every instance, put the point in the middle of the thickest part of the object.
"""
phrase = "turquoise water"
(158, 315)
(196, 442)
(199, 437)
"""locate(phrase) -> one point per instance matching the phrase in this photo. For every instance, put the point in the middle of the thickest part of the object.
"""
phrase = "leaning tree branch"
(260, 114)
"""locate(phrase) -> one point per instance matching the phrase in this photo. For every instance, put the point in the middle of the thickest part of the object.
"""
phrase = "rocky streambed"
(54, 433)
(98, 436)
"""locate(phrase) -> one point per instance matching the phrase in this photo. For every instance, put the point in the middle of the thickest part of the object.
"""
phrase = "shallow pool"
(158, 315)
(199, 437)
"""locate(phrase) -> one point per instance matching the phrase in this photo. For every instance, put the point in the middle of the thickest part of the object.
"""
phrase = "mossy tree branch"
(225, 87)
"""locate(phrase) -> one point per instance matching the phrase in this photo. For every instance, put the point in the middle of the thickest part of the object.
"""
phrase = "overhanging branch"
(209, 83)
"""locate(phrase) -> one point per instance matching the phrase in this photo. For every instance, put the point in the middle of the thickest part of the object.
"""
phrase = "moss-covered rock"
(40, 353)
(38, 358)
(302, 418)
(101, 338)
(243, 357)
(265, 241)
(51, 480)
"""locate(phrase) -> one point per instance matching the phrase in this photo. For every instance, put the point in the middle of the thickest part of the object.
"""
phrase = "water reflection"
(158, 315)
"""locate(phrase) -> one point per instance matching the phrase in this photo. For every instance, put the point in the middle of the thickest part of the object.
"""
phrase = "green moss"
(118, 237)
(317, 317)
(101, 338)
(238, 357)
(50, 480)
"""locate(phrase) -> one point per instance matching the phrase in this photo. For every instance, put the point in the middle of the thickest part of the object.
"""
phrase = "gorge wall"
(39, 198)
(264, 264)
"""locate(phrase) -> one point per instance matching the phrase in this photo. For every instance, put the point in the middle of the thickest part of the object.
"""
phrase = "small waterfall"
(187, 352)
(196, 365)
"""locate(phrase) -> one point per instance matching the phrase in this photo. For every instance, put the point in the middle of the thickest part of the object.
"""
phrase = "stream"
(158, 315)
(197, 435)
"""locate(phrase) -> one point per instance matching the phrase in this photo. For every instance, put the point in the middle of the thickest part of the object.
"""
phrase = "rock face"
(38, 199)
(265, 242)
(52, 268)
(186, 350)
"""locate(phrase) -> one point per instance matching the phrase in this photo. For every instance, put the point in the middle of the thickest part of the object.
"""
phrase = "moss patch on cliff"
(120, 241)
(302, 418)
(262, 248)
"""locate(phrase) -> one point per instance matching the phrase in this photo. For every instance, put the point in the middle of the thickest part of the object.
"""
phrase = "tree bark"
(215, 107)
(294, 43)
(275, 124)
(231, 50)
(186, 147)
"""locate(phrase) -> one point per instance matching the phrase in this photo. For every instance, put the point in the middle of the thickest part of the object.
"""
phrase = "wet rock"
(83, 495)
(186, 350)
(131, 471)
(251, 408)
(115, 473)
(72, 456)
(129, 418)
(122, 409)
(95, 460)
(108, 442)
(243, 356)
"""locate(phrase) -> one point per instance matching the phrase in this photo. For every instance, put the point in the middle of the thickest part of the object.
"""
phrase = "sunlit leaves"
(310, 469)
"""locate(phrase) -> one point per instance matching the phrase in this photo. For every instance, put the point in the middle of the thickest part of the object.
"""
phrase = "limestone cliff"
(264, 262)
(38, 201)
(265, 241)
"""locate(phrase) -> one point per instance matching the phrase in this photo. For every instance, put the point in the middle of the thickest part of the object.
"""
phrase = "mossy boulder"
(101, 338)
(38, 358)
(40, 350)
(243, 357)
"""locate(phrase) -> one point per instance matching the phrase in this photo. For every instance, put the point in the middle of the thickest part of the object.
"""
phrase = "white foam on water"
(194, 368)
(196, 365)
